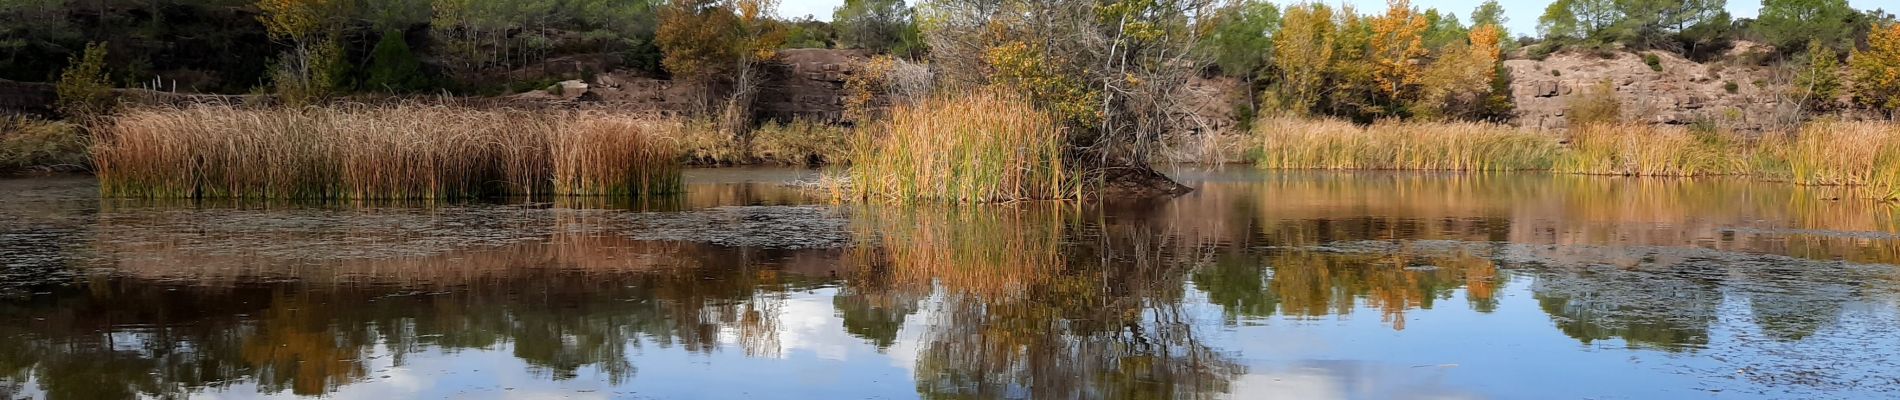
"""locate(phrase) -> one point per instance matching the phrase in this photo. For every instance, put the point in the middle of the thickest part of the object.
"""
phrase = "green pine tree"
(393, 68)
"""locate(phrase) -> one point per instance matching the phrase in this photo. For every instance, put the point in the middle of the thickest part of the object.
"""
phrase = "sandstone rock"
(570, 90)
(1649, 97)
(1544, 89)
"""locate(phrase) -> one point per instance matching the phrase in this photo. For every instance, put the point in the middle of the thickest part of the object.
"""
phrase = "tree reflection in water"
(1031, 302)
(1026, 301)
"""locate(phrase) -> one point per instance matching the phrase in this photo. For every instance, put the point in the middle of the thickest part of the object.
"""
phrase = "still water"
(1257, 286)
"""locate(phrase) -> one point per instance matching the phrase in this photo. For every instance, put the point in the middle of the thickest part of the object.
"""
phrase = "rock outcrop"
(26, 98)
(798, 84)
(1725, 92)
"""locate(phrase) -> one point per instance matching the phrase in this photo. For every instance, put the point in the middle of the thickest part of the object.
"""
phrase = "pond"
(1259, 285)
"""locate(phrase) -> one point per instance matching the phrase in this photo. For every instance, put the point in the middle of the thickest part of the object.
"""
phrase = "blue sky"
(1523, 14)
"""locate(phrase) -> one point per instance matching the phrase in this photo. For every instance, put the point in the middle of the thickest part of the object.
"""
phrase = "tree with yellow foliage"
(1457, 84)
(309, 69)
(1876, 70)
(1397, 48)
(1303, 55)
(1351, 90)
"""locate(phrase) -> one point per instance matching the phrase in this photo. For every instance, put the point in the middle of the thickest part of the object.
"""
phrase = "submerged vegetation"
(396, 152)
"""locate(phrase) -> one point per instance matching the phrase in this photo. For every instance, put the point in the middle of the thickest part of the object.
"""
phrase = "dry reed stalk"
(592, 154)
(1865, 154)
(1297, 143)
(1646, 150)
(801, 142)
(399, 152)
(986, 146)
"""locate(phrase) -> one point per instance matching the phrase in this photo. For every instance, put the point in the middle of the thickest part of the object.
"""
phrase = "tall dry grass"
(397, 152)
(801, 142)
(1833, 153)
(984, 146)
(600, 154)
(1863, 156)
(1298, 143)
(1648, 150)
(30, 143)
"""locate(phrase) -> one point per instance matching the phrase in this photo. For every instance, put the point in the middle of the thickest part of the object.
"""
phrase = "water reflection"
(1256, 286)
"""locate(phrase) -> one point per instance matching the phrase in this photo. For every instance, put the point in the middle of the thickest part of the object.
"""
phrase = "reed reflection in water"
(1220, 293)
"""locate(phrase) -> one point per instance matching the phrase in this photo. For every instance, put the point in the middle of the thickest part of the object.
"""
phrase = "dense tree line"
(1404, 62)
(311, 48)
(1312, 58)
(1092, 60)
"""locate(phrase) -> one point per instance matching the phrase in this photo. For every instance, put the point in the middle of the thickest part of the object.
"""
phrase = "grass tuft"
(801, 142)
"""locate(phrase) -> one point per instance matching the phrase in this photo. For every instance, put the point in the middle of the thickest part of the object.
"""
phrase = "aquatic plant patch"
(1863, 157)
(1298, 143)
(986, 146)
(399, 152)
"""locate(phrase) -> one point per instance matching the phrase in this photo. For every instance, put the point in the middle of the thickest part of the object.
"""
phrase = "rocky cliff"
(1727, 92)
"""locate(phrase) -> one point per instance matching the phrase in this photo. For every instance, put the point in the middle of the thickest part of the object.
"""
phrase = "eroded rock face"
(1683, 93)
(808, 84)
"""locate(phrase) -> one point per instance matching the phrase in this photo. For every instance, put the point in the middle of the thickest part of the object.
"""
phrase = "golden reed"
(985, 146)
(1862, 155)
(395, 152)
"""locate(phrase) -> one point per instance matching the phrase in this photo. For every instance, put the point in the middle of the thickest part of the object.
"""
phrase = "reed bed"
(1295, 143)
(1647, 150)
(801, 142)
(985, 146)
(1862, 157)
(30, 143)
(1833, 153)
(592, 155)
(397, 152)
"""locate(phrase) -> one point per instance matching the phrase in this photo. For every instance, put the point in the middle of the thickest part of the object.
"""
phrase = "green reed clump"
(1296, 143)
(400, 152)
(985, 146)
(1646, 150)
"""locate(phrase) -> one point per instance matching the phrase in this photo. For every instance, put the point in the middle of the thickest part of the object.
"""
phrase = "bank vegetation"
(402, 152)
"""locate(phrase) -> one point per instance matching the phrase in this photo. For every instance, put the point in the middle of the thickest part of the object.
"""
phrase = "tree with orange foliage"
(1457, 84)
(1397, 47)
(1876, 70)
